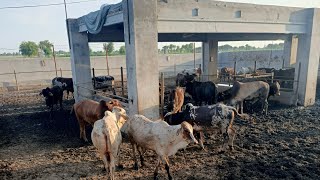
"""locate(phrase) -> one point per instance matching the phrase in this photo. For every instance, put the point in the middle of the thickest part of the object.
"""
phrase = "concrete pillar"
(210, 60)
(80, 61)
(141, 40)
(290, 51)
(308, 55)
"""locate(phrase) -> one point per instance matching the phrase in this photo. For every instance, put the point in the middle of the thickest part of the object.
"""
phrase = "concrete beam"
(290, 51)
(141, 39)
(209, 60)
(308, 55)
(80, 61)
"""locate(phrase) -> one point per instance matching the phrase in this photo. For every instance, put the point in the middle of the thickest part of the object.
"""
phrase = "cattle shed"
(141, 24)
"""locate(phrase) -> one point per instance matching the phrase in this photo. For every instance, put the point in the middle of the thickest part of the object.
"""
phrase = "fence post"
(122, 86)
(255, 66)
(175, 68)
(162, 95)
(54, 59)
(200, 72)
(194, 55)
(60, 72)
(15, 77)
(94, 79)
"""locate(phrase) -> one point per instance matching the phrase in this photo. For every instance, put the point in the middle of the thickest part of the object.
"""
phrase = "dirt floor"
(35, 144)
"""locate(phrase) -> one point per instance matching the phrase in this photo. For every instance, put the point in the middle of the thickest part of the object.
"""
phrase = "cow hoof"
(231, 148)
(136, 167)
(120, 167)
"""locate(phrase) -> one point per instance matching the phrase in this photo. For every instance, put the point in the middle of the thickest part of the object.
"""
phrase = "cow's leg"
(134, 148)
(155, 174)
(266, 104)
(83, 135)
(140, 151)
(241, 107)
(105, 157)
(231, 135)
(200, 130)
(167, 167)
(111, 166)
(120, 166)
(223, 130)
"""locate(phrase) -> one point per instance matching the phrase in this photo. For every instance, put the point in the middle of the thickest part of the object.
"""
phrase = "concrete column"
(141, 40)
(308, 55)
(290, 51)
(80, 61)
(210, 60)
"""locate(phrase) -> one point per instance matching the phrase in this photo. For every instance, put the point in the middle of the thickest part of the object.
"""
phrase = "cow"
(89, 111)
(52, 96)
(267, 70)
(66, 83)
(274, 89)
(158, 136)
(202, 92)
(185, 76)
(214, 115)
(226, 72)
(106, 137)
(245, 70)
(104, 82)
(257, 90)
(178, 99)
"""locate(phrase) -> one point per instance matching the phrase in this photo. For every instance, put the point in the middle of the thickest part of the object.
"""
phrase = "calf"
(65, 83)
(178, 99)
(202, 92)
(52, 96)
(199, 116)
(158, 136)
(106, 137)
(226, 72)
(257, 90)
(274, 89)
(185, 76)
(89, 111)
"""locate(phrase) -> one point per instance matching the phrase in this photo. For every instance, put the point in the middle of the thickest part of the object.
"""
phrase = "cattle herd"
(183, 125)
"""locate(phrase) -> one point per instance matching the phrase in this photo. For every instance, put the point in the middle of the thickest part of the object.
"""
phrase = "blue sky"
(41, 23)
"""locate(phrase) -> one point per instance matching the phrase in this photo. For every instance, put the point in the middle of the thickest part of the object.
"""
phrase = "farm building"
(141, 24)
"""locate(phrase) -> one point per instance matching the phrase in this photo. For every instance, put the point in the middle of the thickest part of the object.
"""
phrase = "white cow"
(106, 137)
(159, 136)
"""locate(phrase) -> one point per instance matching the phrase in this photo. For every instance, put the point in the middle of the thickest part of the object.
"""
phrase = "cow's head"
(121, 115)
(112, 103)
(186, 131)
(46, 92)
(277, 88)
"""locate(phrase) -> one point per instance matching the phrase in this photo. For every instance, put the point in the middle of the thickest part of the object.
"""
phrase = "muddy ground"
(37, 145)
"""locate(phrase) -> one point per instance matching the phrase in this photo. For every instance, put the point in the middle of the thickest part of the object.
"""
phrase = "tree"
(28, 48)
(108, 47)
(122, 50)
(46, 46)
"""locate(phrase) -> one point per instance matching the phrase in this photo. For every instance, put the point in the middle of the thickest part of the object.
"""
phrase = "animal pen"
(142, 24)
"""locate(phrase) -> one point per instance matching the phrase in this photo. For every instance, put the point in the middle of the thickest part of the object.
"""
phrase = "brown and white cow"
(226, 72)
(89, 111)
(106, 137)
(158, 136)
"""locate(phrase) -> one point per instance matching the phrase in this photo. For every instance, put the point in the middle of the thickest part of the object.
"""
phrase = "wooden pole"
(175, 68)
(54, 59)
(255, 66)
(200, 72)
(162, 95)
(94, 79)
(107, 60)
(122, 84)
(15, 77)
(60, 72)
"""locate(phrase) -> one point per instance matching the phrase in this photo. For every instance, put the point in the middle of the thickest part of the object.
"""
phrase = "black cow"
(104, 82)
(202, 92)
(65, 83)
(53, 96)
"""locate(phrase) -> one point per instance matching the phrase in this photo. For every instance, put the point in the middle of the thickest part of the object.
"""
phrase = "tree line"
(45, 49)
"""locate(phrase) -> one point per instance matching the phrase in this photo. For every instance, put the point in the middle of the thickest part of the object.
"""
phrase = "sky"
(48, 23)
